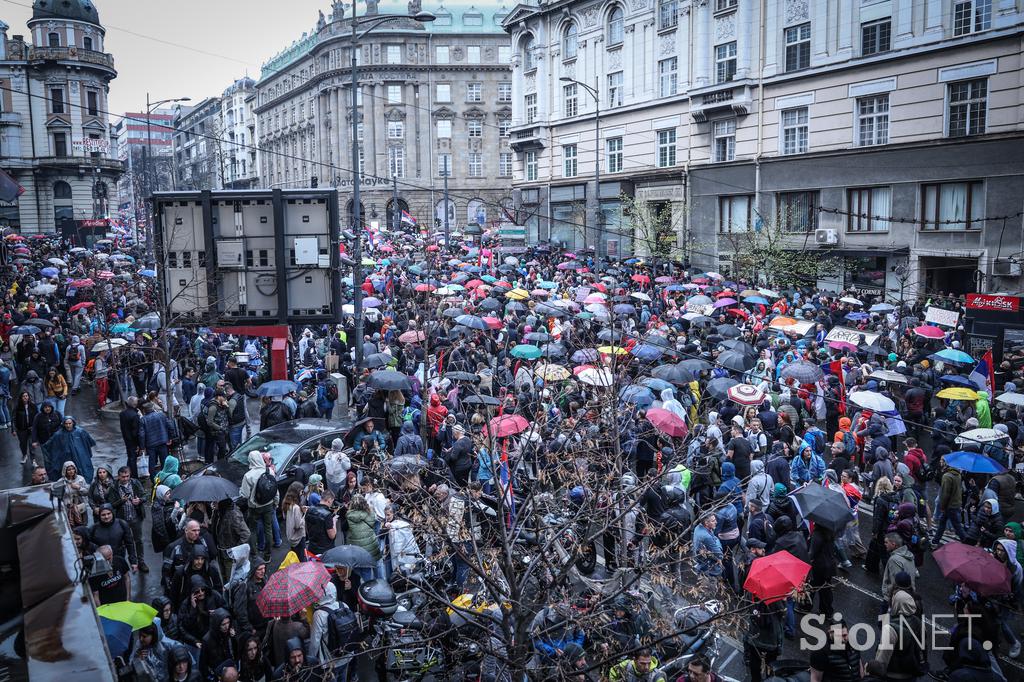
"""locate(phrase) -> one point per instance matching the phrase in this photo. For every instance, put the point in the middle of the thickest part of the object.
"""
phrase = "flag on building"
(983, 375)
(408, 219)
(9, 187)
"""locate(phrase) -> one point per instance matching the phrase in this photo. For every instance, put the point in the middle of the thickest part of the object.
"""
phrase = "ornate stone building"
(431, 97)
(55, 138)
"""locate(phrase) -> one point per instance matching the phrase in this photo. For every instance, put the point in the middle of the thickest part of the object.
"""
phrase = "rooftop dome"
(79, 10)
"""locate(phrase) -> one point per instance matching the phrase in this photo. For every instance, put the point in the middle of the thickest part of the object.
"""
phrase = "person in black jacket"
(168, 618)
(243, 600)
(461, 457)
(823, 567)
(116, 533)
(307, 407)
(46, 423)
(163, 530)
(129, 419)
(253, 665)
(126, 495)
(273, 412)
(218, 644)
(25, 412)
(195, 610)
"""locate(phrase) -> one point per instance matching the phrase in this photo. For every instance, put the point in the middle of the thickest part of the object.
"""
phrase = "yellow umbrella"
(552, 373)
(612, 350)
(518, 295)
(957, 393)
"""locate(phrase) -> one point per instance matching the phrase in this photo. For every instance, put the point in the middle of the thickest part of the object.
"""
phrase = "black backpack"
(201, 422)
(342, 628)
(331, 391)
(73, 353)
(265, 489)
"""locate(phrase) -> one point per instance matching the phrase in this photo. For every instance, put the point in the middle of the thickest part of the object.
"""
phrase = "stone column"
(333, 156)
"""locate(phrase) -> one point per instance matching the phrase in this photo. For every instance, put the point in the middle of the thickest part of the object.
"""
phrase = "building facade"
(886, 135)
(433, 99)
(55, 137)
(240, 167)
(147, 155)
(200, 146)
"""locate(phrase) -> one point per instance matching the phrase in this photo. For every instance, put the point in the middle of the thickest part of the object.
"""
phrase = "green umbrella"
(526, 352)
(133, 613)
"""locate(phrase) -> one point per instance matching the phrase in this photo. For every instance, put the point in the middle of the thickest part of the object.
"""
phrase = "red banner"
(1005, 304)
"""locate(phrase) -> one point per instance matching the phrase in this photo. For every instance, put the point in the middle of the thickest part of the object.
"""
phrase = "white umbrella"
(57, 261)
(870, 400)
(109, 345)
(980, 436)
(888, 375)
(640, 296)
(882, 308)
(851, 300)
(43, 289)
(769, 292)
(596, 377)
(1011, 398)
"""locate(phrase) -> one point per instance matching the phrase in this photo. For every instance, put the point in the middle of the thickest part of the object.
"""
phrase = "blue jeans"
(461, 567)
(260, 526)
(157, 454)
(5, 412)
(61, 403)
(941, 519)
(235, 436)
(790, 625)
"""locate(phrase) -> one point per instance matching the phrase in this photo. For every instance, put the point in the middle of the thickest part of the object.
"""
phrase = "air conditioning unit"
(826, 236)
(1006, 267)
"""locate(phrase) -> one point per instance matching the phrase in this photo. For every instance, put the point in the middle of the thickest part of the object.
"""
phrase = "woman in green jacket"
(362, 526)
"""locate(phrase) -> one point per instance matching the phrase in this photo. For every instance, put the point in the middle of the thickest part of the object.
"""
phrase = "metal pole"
(394, 201)
(597, 172)
(149, 184)
(357, 228)
(446, 172)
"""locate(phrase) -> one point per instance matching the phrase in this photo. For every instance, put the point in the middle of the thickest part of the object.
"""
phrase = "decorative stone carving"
(321, 21)
(796, 10)
(667, 44)
(638, 5)
(725, 27)
(337, 10)
(589, 16)
(488, 54)
(376, 53)
(615, 60)
(530, 83)
(569, 69)
(412, 53)
(457, 53)
(414, 6)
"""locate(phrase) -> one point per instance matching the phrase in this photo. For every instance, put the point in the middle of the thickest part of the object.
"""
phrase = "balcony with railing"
(61, 54)
(527, 137)
(731, 96)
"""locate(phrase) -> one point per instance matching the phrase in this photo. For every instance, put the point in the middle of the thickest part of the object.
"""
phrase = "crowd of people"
(676, 422)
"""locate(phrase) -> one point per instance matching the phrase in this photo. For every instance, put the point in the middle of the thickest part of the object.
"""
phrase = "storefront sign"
(948, 318)
(94, 222)
(851, 335)
(1005, 304)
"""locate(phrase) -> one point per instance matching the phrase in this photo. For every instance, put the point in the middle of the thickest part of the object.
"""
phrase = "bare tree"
(772, 255)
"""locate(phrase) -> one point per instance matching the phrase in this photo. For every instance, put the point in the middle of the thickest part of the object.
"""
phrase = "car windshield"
(279, 451)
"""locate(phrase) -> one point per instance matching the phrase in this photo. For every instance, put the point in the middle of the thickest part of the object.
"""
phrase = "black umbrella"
(823, 506)
(148, 321)
(480, 400)
(803, 371)
(610, 335)
(488, 304)
(389, 380)
(453, 312)
(673, 374)
(736, 360)
(461, 376)
(348, 555)
(695, 365)
(206, 488)
(553, 350)
(406, 465)
(729, 331)
(377, 360)
(740, 346)
(719, 388)
(40, 322)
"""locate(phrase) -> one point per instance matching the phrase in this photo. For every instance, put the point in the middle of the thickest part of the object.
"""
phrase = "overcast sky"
(155, 42)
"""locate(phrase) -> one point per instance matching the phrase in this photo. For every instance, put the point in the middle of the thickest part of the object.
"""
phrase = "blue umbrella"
(641, 396)
(585, 355)
(857, 317)
(957, 380)
(147, 273)
(655, 384)
(756, 299)
(973, 462)
(882, 308)
(26, 329)
(624, 309)
(547, 285)
(952, 355)
(278, 387)
(49, 272)
(676, 287)
(118, 634)
(371, 302)
(471, 321)
(646, 352)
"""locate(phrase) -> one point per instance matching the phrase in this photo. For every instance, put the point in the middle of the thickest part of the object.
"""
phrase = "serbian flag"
(983, 375)
(372, 239)
(9, 187)
(408, 219)
(505, 476)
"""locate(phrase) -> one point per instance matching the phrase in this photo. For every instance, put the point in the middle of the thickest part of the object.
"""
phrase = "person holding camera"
(125, 496)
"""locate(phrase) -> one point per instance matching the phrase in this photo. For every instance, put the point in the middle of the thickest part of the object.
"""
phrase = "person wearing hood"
(669, 402)
(261, 514)
(231, 531)
(149, 651)
(298, 667)
(218, 644)
(807, 466)
(25, 411)
(167, 617)
(409, 442)
(34, 386)
(168, 473)
(45, 424)
(243, 599)
(781, 505)
(195, 611)
(253, 665)
(199, 565)
(760, 485)
(180, 664)
(319, 635)
(986, 526)
(1015, 531)
(899, 649)
(73, 443)
(336, 465)
(110, 530)
(731, 488)
(900, 560)
(982, 411)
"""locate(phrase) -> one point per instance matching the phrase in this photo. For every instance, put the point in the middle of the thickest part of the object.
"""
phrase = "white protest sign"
(851, 335)
(947, 318)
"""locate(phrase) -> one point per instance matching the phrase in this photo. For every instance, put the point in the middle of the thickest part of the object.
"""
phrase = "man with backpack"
(236, 415)
(326, 395)
(74, 359)
(216, 419)
(334, 630)
(259, 490)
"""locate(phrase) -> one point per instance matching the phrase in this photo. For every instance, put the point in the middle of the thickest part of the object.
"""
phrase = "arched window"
(529, 59)
(439, 213)
(615, 26)
(63, 208)
(403, 206)
(61, 190)
(476, 212)
(53, 40)
(569, 42)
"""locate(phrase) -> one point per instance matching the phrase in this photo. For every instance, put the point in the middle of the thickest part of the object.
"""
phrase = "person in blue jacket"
(70, 443)
(806, 466)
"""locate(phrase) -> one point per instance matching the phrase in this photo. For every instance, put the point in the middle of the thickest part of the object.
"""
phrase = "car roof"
(299, 430)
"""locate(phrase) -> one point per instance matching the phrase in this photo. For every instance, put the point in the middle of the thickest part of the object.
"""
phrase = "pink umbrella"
(507, 425)
(105, 274)
(667, 422)
(842, 345)
(414, 336)
(929, 332)
(664, 279)
(83, 283)
(493, 322)
(540, 293)
(641, 279)
(595, 298)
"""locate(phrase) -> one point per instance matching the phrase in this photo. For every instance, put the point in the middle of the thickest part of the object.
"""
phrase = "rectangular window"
(570, 103)
(616, 27)
(394, 94)
(60, 144)
(394, 54)
(186, 259)
(57, 100)
(666, 148)
(798, 47)
(442, 55)
(505, 164)
(971, 16)
(613, 154)
(968, 102)
(725, 62)
(474, 92)
(444, 129)
(794, 131)
(396, 162)
(504, 91)
(615, 81)
(797, 211)
(530, 108)
(475, 127)
(724, 133)
(569, 167)
(734, 213)
(667, 76)
(444, 92)
(952, 206)
(668, 13)
(875, 37)
(476, 164)
(724, 5)
(396, 130)
(473, 54)
(504, 54)
(92, 99)
(530, 161)
(444, 165)
(504, 125)
(869, 209)
(873, 120)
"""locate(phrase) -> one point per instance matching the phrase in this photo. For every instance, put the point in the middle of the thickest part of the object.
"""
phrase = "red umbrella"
(667, 422)
(83, 283)
(433, 247)
(929, 332)
(473, 283)
(773, 577)
(493, 322)
(292, 589)
(600, 286)
(974, 567)
(507, 425)
(78, 306)
(425, 287)
(414, 336)
(641, 279)
(700, 280)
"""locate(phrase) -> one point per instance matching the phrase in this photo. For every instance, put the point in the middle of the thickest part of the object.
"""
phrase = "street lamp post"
(371, 22)
(149, 153)
(595, 200)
